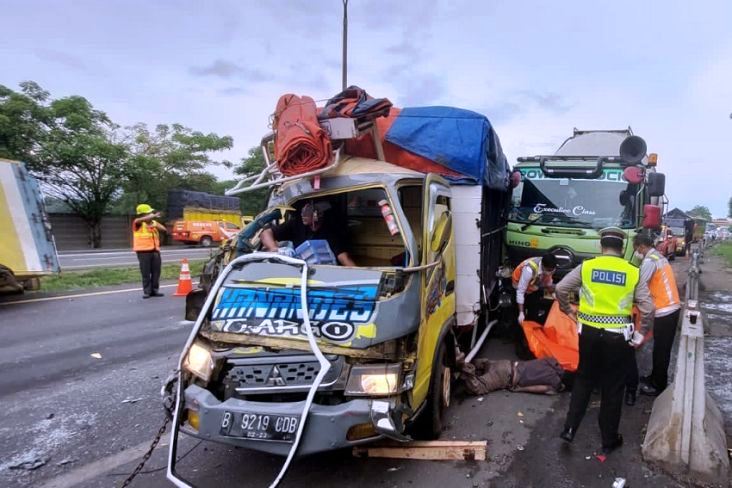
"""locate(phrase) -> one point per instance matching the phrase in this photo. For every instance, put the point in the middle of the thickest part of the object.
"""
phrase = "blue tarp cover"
(458, 139)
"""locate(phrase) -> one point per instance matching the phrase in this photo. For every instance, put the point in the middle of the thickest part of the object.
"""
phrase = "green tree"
(167, 157)
(254, 201)
(68, 145)
(80, 162)
(25, 118)
(700, 211)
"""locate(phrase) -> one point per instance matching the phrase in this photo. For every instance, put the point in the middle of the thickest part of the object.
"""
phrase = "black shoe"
(158, 294)
(630, 397)
(612, 446)
(567, 434)
(649, 390)
(146, 296)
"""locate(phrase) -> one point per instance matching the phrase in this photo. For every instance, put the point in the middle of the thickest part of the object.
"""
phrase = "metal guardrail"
(685, 431)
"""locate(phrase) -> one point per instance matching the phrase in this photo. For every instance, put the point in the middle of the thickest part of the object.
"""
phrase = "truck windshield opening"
(594, 203)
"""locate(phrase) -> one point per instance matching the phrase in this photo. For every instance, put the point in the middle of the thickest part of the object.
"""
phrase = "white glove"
(521, 318)
(286, 251)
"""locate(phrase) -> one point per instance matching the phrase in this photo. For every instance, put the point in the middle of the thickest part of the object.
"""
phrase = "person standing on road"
(530, 279)
(608, 286)
(146, 243)
(657, 274)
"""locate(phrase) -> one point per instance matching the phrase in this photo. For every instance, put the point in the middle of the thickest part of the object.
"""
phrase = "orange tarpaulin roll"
(301, 145)
(558, 337)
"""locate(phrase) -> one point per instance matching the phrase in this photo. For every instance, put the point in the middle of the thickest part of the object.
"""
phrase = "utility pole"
(345, 43)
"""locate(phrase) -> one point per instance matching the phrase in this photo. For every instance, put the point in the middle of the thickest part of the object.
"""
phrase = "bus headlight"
(199, 362)
(374, 380)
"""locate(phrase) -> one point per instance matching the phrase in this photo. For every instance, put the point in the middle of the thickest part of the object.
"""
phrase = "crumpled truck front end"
(248, 372)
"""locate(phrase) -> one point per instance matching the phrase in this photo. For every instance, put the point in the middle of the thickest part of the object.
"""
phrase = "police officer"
(146, 243)
(608, 285)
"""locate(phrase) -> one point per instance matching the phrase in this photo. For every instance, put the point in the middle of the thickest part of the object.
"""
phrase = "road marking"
(81, 295)
(79, 476)
(164, 251)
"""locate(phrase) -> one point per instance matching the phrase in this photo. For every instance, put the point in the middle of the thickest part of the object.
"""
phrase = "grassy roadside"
(93, 278)
(724, 249)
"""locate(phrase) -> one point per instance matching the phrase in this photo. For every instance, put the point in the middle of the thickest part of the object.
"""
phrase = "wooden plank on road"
(426, 450)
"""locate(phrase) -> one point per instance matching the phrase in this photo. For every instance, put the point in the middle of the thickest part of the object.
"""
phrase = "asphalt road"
(86, 420)
(71, 260)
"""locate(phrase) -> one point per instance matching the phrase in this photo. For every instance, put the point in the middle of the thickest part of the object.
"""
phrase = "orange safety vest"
(662, 286)
(146, 238)
(532, 263)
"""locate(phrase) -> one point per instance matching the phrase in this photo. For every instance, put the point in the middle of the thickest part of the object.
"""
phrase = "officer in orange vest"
(529, 277)
(146, 243)
(657, 273)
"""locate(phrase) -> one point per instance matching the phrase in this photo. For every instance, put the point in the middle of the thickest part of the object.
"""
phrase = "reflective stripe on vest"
(662, 286)
(606, 295)
(146, 238)
(532, 263)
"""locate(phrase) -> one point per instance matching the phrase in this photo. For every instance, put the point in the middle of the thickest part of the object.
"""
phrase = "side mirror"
(443, 231)
(656, 184)
(651, 216)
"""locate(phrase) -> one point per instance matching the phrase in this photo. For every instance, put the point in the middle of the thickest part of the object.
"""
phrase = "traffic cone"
(185, 285)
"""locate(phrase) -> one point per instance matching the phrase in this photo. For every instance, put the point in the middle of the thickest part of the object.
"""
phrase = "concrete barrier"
(685, 432)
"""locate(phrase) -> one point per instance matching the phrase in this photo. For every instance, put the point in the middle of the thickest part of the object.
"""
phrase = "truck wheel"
(430, 422)
(206, 241)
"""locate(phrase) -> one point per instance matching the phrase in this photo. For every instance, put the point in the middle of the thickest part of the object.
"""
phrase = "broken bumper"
(326, 429)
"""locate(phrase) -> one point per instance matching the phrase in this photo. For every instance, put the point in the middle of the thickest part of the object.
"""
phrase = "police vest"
(532, 263)
(606, 295)
(145, 238)
(663, 286)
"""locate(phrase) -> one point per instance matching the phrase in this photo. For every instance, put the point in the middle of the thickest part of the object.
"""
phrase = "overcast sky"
(537, 69)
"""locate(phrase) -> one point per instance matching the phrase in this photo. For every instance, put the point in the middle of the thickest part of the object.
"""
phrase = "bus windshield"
(606, 201)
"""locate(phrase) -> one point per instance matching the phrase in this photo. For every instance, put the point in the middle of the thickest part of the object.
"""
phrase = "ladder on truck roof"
(339, 129)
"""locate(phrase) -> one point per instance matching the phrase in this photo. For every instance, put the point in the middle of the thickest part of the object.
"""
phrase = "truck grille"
(287, 375)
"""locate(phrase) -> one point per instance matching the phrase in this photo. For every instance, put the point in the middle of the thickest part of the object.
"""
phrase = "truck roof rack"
(271, 175)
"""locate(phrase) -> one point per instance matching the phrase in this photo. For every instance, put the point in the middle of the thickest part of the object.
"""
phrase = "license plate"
(260, 426)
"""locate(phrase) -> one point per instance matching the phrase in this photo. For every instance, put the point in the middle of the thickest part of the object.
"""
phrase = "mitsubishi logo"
(275, 377)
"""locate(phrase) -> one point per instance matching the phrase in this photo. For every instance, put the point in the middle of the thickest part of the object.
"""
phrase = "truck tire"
(431, 420)
(206, 241)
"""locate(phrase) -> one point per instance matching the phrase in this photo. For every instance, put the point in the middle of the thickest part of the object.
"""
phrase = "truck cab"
(591, 182)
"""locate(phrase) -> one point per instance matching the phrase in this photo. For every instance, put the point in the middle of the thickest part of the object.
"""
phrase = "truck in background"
(27, 248)
(596, 179)
(195, 217)
(203, 232)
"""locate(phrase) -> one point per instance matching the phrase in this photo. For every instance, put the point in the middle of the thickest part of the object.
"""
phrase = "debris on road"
(427, 450)
(601, 458)
(30, 465)
(66, 461)
(391, 470)
(131, 400)
(619, 483)
(96, 355)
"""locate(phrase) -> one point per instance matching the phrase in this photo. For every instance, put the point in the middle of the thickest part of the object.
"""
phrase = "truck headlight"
(374, 380)
(199, 361)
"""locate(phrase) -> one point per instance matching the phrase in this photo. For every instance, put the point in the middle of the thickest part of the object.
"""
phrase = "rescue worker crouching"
(530, 279)
(608, 286)
(146, 243)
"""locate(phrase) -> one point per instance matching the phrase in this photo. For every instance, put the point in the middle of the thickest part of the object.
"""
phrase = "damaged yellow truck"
(294, 357)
